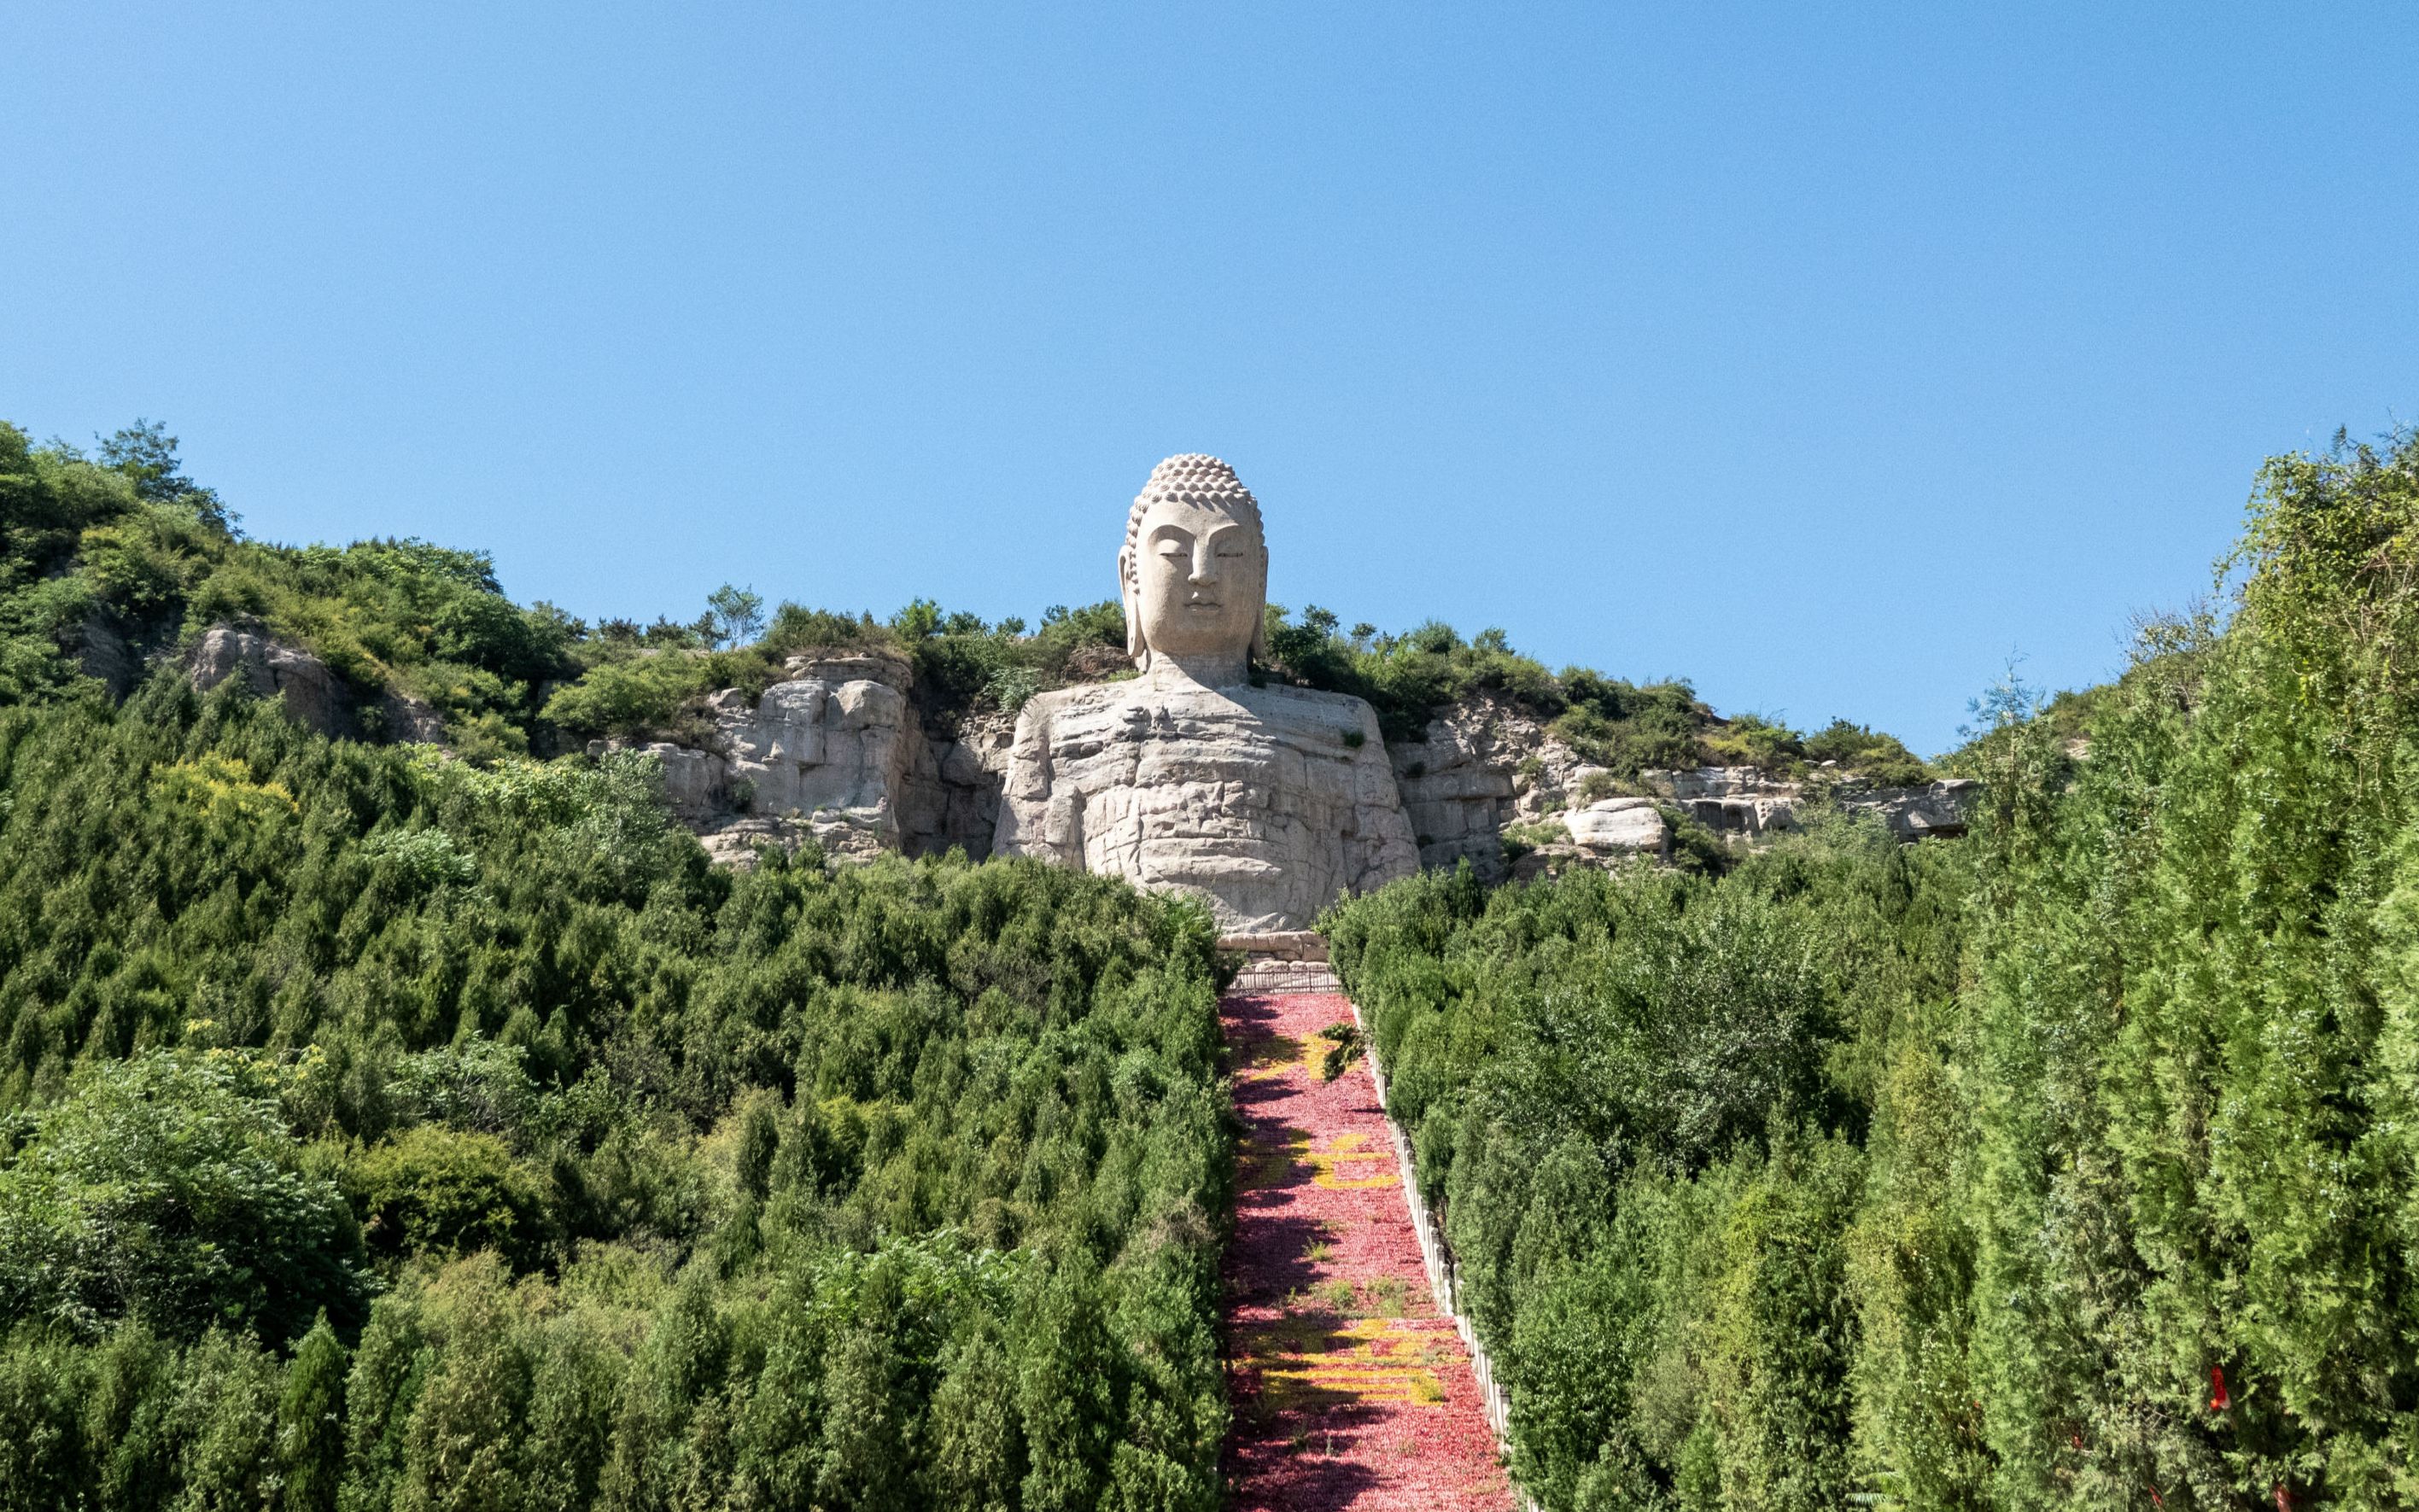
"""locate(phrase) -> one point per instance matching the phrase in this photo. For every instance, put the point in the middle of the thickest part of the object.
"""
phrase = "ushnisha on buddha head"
(1195, 572)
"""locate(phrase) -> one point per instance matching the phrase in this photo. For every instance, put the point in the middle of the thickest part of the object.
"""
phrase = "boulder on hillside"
(271, 669)
(1619, 827)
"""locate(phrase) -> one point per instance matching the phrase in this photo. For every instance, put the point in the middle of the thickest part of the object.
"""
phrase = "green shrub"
(438, 1191)
(1640, 1103)
(1962, 1175)
(1866, 753)
(1751, 740)
(630, 698)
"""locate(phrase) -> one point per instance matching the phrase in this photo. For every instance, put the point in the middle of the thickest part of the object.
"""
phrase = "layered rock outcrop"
(835, 753)
(1486, 783)
(1936, 810)
(1485, 770)
(1730, 800)
(1740, 800)
(310, 691)
(971, 760)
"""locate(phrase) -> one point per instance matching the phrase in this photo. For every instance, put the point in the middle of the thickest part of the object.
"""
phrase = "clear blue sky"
(1823, 355)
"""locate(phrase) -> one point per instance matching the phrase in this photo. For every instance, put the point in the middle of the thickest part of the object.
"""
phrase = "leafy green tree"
(978, 1441)
(229, 1404)
(165, 1188)
(134, 1427)
(147, 454)
(389, 1371)
(461, 1449)
(575, 1376)
(738, 615)
(44, 1455)
(1065, 1380)
(629, 698)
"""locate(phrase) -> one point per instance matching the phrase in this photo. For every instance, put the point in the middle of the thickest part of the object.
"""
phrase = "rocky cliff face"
(972, 765)
(1485, 770)
(1740, 800)
(1731, 800)
(1488, 783)
(835, 753)
(839, 754)
(311, 692)
(1934, 810)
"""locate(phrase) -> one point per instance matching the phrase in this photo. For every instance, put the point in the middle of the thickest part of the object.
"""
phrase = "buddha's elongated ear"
(1258, 651)
(1135, 646)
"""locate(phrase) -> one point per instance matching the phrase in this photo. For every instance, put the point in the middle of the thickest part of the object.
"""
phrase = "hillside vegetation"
(2074, 1164)
(388, 1132)
(390, 1126)
(115, 559)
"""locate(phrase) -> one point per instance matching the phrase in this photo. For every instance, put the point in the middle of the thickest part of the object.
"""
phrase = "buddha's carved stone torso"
(1255, 800)
(1265, 802)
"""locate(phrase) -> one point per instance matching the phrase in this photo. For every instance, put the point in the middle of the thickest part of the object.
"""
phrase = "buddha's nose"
(1205, 565)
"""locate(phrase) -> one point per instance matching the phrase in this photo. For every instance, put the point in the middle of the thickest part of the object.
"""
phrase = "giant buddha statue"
(1263, 801)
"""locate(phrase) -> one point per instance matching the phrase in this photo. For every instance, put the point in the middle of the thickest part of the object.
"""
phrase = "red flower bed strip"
(1350, 1390)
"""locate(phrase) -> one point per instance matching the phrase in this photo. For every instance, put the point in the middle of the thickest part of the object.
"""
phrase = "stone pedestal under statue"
(1264, 802)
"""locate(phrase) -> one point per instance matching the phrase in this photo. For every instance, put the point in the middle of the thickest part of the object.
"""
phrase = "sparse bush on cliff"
(1867, 753)
(1625, 727)
(1406, 678)
(106, 562)
(634, 697)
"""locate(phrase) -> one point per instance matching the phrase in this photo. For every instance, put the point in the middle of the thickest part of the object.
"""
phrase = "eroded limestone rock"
(1733, 800)
(299, 680)
(1936, 810)
(833, 753)
(1486, 766)
(971, 764)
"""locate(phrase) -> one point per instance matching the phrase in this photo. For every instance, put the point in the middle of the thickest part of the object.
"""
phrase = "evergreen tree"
(311, 1424)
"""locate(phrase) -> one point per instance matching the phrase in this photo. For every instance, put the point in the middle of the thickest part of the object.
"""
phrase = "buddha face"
(1198, 582)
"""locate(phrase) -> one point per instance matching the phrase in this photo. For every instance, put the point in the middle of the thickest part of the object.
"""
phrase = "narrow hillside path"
(1350, 1389)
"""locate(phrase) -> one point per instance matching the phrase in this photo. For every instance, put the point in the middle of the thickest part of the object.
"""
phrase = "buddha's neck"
(1207, 671)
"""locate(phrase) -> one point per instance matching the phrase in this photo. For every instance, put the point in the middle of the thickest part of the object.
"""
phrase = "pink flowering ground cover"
(1350, 1389)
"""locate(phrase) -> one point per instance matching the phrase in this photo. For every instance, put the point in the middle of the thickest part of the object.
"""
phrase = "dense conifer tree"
(2069, 1165)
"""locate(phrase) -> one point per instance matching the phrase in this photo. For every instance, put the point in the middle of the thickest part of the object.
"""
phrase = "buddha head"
(1195, 571)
